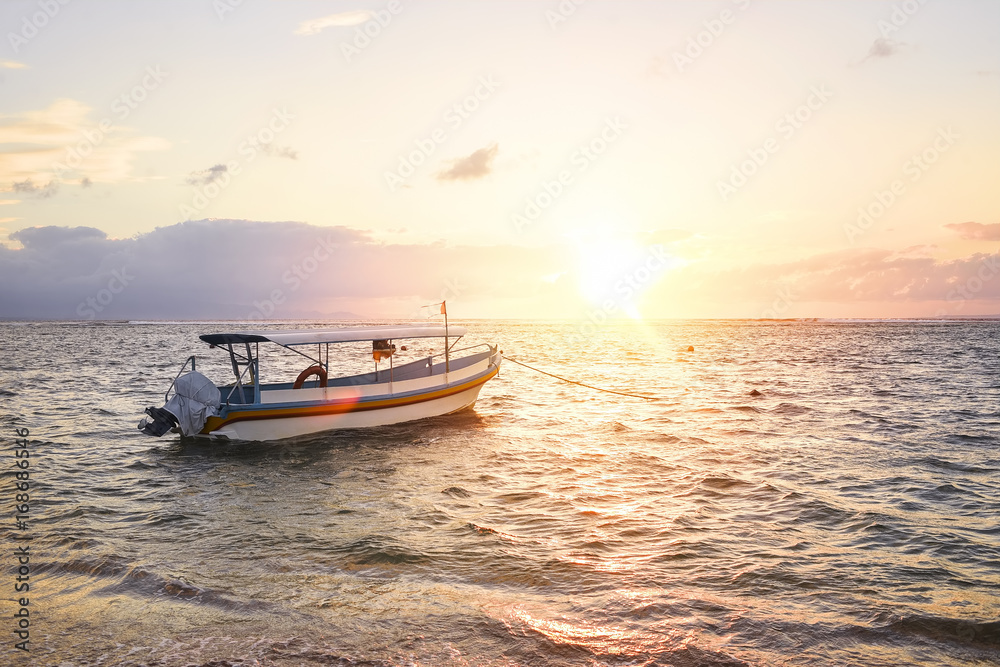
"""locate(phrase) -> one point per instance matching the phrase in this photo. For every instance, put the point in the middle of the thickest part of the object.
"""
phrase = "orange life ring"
(312, 370)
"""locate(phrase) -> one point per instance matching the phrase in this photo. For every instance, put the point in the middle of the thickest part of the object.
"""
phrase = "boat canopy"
(343, 335)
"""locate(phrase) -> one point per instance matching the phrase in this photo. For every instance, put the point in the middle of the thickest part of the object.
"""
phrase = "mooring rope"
(588, 386)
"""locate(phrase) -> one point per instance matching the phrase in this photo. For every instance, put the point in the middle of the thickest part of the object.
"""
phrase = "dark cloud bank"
(222, 269)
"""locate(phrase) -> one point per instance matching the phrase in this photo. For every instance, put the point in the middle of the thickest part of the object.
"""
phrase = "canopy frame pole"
(250, 360)
(289, 347)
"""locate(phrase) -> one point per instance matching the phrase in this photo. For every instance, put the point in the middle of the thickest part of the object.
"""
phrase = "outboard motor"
(195, 399)
(161, 422)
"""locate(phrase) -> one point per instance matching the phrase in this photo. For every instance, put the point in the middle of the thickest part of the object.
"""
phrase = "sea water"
(848, 515)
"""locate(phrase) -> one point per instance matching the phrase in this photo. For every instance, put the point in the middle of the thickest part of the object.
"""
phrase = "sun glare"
(615, 270)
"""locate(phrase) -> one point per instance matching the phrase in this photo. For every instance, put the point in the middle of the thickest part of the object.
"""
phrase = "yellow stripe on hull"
(289, 422)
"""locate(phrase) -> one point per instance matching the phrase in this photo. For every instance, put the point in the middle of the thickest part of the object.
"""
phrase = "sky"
(571, 159)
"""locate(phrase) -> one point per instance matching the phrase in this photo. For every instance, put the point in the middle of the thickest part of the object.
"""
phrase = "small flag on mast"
(442, 309)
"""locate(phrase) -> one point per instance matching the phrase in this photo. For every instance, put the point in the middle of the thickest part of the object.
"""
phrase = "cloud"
(56, 125)
(849, 276)
(35, 145)
(343, 19)
(883, 48)
(976, 231)
(44, 238)
(179, 272)
(476, 165)
(10, 64)
(274, 150)
(27, 187)
(206, 176)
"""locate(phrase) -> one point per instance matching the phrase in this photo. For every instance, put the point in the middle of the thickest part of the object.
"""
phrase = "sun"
(614, 270)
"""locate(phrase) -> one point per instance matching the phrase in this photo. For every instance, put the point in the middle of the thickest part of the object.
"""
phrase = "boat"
(251, 409)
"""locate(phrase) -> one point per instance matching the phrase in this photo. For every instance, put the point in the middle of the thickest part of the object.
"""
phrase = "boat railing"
(463, 349)
(189, 360)
(239, 383)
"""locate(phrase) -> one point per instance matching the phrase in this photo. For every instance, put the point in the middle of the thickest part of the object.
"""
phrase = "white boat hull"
(277, 427)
